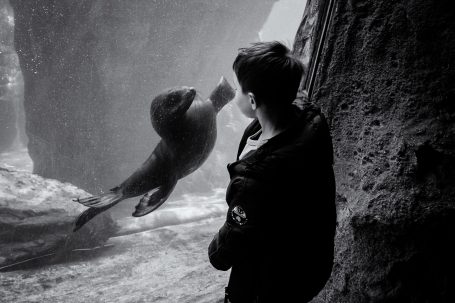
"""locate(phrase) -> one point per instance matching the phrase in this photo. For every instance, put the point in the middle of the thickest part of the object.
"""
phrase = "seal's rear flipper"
(110, 198)
(88, 215)
(154, 199)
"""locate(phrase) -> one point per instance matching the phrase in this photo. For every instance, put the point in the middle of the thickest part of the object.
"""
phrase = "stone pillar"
(8, 70)
(386, 85)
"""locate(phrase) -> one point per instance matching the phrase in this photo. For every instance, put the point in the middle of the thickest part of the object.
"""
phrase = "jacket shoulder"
(309, 134)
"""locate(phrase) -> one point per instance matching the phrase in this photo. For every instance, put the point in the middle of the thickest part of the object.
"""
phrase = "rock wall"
(386, 85)
(92, 67)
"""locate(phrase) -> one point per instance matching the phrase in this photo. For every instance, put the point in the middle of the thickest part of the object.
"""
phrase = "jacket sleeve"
(237, 238)
(222, 248)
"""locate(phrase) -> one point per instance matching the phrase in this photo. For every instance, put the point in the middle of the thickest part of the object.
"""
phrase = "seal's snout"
(190, 92)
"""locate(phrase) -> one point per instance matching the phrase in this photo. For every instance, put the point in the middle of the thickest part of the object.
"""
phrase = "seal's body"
(187, 127)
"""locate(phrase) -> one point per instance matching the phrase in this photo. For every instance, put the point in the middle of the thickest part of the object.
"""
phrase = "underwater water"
(76, 152)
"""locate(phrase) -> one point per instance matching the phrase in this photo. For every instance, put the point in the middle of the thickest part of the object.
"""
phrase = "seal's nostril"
(192, 91)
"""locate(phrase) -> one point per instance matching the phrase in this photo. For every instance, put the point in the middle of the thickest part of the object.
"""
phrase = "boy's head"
(268, 72)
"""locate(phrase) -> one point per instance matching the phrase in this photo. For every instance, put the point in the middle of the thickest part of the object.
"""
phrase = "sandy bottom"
(167, 264)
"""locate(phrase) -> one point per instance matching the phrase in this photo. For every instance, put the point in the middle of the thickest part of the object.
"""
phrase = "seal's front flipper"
(222, 94)
(153, 199)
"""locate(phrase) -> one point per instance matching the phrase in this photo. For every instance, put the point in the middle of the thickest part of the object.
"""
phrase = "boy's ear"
(253, 103)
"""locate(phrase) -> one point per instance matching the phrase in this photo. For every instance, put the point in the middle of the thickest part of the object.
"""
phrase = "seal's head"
(171, 105)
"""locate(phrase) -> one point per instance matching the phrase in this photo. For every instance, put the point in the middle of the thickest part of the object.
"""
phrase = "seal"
(187, 126)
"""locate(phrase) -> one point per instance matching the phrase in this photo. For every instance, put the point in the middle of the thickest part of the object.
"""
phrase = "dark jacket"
(278, 237)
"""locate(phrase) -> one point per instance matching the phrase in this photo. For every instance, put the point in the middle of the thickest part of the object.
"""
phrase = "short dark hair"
(269, 71)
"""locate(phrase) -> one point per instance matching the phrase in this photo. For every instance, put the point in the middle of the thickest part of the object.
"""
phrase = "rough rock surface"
(37, 216)
(92, 67)
(386, 85)
(7, 72)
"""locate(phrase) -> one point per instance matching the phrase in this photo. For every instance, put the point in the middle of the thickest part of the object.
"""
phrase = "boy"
(278, 236)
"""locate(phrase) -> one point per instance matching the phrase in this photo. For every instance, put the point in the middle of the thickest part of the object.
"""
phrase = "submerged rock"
(7, 124)
(37, 216)
(165, 265)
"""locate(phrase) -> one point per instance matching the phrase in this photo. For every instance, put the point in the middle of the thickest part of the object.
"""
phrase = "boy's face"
(242, 100)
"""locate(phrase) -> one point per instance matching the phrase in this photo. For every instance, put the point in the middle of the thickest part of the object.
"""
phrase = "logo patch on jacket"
(239, 215)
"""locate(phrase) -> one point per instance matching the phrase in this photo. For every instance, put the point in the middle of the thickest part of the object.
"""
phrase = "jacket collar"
(305, 114)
